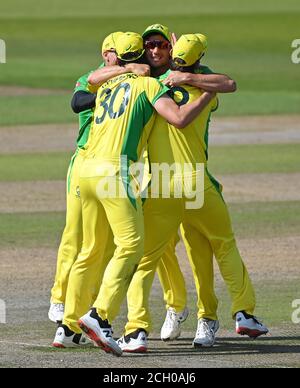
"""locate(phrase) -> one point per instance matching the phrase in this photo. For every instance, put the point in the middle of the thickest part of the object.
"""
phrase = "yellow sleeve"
(154, 89)
(215, 104)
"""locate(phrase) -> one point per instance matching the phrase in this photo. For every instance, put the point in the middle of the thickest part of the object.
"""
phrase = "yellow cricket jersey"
(184, 148)
(123, 119)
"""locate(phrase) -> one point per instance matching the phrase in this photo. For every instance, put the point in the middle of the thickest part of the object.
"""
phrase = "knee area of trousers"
(223, 247)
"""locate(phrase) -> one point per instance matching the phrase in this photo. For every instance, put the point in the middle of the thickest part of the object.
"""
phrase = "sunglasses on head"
(151, 44)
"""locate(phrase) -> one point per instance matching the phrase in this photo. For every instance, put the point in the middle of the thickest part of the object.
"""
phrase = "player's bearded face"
(157, 54)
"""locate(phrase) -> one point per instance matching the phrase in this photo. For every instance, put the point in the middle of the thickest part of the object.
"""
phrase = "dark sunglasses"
(151, 44)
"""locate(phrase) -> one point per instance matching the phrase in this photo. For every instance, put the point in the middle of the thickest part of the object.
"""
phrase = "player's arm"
(217, 83)
(99, 76)
(82, 100)
(181, 116)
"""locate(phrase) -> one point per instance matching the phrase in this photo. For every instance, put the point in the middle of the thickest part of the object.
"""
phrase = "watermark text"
(2, 51)
(296, 312)
(2, 311)
(296, 53)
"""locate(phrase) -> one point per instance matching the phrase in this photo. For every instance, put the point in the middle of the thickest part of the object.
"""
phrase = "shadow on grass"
(226, 346)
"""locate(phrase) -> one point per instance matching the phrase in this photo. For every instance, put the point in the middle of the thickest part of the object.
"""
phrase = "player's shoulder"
(150, 82)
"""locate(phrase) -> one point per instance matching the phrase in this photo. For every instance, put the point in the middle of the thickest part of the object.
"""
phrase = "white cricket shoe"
(66, 338)
(100, 332)
(171, 327)
(56, 312)
(205, 334)
(246, 324)
(135, 342)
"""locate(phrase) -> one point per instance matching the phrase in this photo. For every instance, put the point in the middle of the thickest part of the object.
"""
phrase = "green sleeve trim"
(164, 89)
(163, 76)
(141, 113)
(215, 183)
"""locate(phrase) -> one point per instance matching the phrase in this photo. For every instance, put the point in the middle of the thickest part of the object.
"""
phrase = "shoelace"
(257, 320)
(172, 317)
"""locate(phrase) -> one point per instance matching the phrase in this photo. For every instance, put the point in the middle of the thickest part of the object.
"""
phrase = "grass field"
(49, 45)
(251, 44)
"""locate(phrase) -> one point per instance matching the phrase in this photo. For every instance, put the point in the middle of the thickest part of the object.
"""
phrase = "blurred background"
(254, 152)
(50, 44)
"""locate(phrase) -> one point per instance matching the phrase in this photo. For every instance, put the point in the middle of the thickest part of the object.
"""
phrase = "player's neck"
(158, 71)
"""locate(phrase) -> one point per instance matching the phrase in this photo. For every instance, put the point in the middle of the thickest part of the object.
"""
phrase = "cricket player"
(83, 102)
(123, 119)
(162, 217)
(170, 275)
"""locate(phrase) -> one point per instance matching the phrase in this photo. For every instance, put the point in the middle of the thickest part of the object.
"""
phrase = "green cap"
(157, 29)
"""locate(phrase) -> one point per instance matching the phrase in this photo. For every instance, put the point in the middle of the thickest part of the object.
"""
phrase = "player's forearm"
(99, 76)
(217, 83)
(189, 112)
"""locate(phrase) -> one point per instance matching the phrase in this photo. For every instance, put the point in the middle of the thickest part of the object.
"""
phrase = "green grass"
(29, 167)
(266, 219)
(31, 229)
(268, 294)
(222, 160)
(56, 108)
(263, 158)
(53, 49)
(54, 53)
(22, 110)
(71, 8)
(251, 103)
(253, 220)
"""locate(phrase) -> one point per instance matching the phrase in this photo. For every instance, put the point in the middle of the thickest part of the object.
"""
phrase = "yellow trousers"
(171, 278)
(208, 234)
(71, 241)
(212, 226)
(126, 222)
(170, 274)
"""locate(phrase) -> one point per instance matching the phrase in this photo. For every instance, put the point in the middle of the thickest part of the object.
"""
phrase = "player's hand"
(175, 78)
(138, 69)
(173, 38)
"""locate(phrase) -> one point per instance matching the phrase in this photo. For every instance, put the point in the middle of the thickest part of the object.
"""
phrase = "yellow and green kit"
(71, 240)
(123, 120)
(207, 229)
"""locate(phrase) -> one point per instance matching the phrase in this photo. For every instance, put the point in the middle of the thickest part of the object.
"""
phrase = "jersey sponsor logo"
(179, 95)
(78, 84)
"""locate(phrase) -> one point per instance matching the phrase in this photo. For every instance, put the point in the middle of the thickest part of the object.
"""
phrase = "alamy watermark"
(165, 181)
(2, 311)
(296, 313)
(2, 51)
(296, 53)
